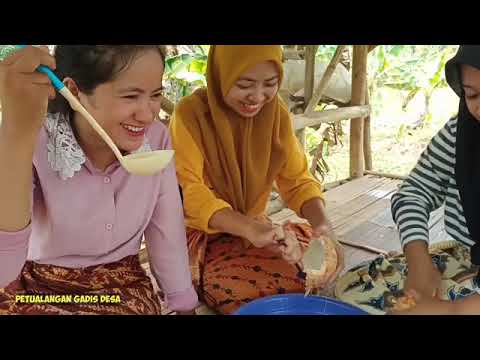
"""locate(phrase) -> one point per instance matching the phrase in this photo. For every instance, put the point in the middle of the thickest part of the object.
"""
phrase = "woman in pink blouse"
(72, 223)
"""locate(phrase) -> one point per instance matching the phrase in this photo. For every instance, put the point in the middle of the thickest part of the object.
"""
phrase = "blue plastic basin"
(298, 304)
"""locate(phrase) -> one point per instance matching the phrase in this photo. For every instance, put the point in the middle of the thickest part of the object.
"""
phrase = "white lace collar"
(65, 155)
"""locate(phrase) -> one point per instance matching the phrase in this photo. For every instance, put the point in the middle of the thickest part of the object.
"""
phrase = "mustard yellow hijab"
(242, 156)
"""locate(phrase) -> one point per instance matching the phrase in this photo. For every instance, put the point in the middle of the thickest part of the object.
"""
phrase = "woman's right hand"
(24, 92)
(425, 281)
(275, 239)
(423, 277)
(262, 234)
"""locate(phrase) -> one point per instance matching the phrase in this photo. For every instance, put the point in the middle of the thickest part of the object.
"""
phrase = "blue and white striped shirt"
(430, 185)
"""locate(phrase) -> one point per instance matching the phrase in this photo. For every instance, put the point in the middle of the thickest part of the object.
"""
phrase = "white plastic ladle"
(146, 163)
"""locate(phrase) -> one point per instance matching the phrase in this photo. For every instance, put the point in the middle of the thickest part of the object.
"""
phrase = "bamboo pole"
(322, 85)
(363, 247)
(302, 121)
(359, 75)
(167, 105)
(310, 52)
(385, 175)
(367, 142)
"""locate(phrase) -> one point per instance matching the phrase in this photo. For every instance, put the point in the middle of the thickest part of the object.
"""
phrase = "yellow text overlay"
(68, 299)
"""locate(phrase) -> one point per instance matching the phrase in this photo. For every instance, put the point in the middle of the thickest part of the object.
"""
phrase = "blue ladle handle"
(44, 69)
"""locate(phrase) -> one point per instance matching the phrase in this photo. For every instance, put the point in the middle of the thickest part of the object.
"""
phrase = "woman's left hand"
(325, 229)
(292, 251)
(288, 246)
(340, 262)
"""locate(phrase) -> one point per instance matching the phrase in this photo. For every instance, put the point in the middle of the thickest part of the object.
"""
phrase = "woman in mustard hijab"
(232, 141)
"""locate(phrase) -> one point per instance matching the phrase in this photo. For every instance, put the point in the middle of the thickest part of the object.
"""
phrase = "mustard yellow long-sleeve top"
(296, 184)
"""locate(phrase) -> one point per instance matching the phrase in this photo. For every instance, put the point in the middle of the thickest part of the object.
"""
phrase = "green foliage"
(401, 133)
(413, 69)
(6, 50)
(325, 53)
(409, 70)
(186, 72)
(311, 140)
(409, 67)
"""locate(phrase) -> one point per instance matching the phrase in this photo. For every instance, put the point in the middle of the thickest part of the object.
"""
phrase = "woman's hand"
(423, 277)
(325, 229)
(24, 92)
(263, 234)
(427, 305)
(290, 248)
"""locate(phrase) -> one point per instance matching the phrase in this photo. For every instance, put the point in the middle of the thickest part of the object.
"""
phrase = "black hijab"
(467, 166)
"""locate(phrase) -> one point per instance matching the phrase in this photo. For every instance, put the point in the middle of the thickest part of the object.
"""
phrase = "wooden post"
(310, 52)
(367, 142)
(167, 105)
(359, 77)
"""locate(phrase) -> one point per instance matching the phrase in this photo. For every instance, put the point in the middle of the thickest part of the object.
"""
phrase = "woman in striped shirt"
(448, 172)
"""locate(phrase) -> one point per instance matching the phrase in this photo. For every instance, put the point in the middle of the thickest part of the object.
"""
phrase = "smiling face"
(126, 106)
(253, 89)
(471, 87)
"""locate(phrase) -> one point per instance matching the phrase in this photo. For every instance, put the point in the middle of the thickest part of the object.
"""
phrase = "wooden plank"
(368, 233)
(351, 190)
(343, 224)
(384, 238)
(355, 210)
(355, 206)
(370, 198)
(346, 222)
(384, 218)
(331, 185)
(371, 234)
(337, 196)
